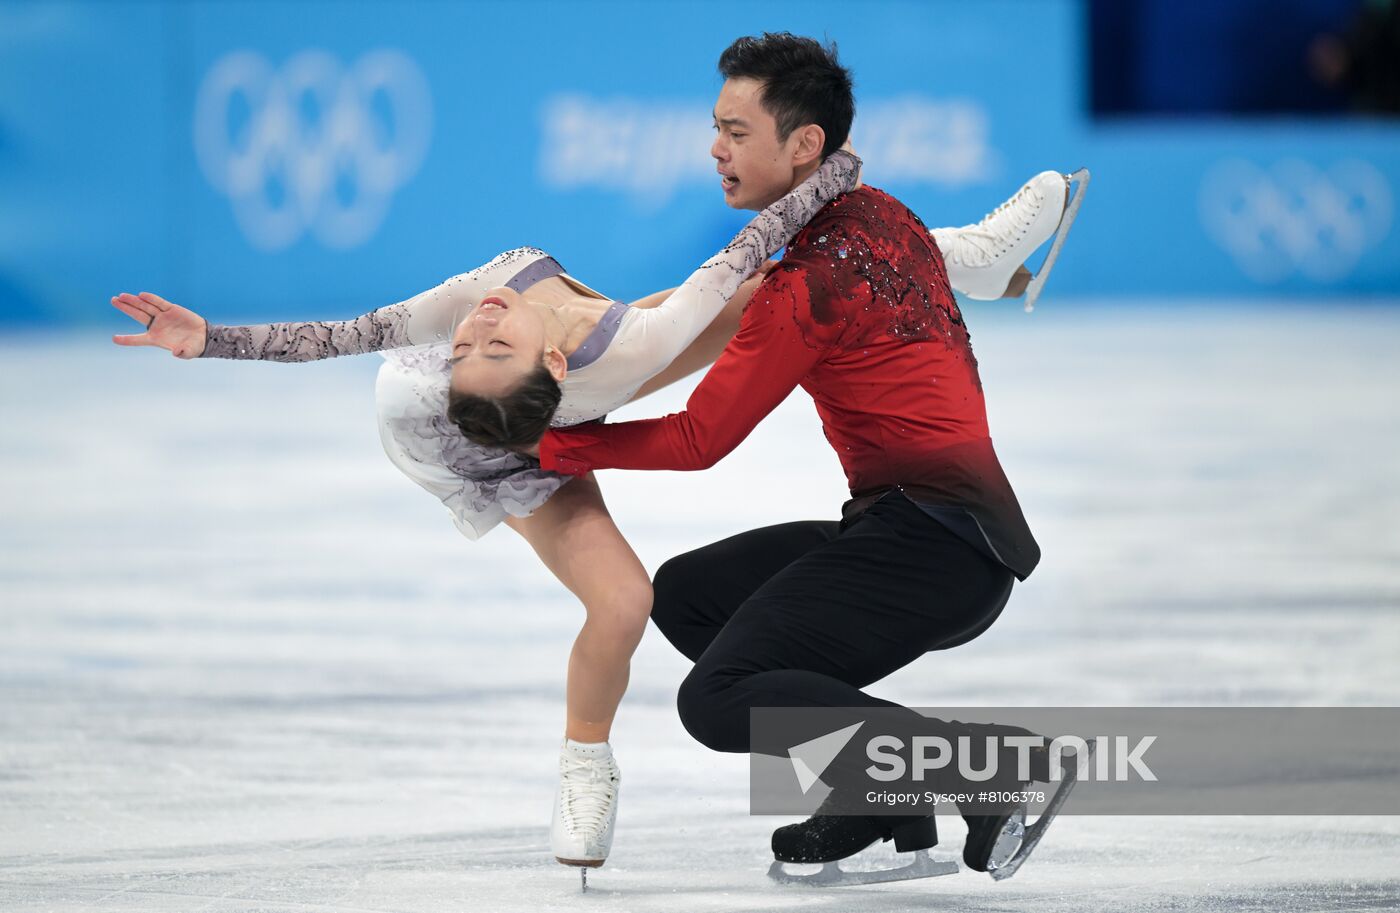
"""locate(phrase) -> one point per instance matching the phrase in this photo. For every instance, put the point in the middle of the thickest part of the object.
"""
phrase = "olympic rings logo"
(312, 146)
(1296, 217)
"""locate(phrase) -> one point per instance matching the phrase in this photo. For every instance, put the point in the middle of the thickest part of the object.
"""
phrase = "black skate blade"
(1036, 831)
(832, 875)
(1037, 283)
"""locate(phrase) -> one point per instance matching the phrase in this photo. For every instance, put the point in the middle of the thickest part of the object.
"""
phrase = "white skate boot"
(984, 258)
(586, 805)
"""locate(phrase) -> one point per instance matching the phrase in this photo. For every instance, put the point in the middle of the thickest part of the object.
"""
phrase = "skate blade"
(1081, 179)
(586, 863)
(1033, 833)
(1009, 841)
(832, 875)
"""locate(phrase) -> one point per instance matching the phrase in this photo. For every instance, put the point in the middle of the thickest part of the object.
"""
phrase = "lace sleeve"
(310, 341)
(425, 318)
(771, 230)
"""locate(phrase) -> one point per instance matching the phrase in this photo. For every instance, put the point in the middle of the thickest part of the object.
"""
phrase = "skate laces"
(981, 244)
(588, 788)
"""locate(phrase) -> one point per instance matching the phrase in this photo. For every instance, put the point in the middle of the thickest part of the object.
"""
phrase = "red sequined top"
(860, 314)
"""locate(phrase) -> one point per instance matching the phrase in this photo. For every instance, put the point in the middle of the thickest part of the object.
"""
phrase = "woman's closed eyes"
(492, 345)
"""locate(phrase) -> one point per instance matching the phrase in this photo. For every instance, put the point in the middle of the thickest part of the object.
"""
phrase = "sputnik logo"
(811, 758)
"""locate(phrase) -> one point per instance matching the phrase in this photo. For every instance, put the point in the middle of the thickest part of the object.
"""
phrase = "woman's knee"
(623, 614)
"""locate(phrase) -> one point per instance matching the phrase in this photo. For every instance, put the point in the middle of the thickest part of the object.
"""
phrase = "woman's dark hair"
(512, 421)
(803, 83)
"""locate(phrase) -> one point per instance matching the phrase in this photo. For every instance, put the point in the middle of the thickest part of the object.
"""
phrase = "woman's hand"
(179, 331)
(851, 149)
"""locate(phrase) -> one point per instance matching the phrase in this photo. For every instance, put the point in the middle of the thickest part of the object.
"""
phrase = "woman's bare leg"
(577, 539)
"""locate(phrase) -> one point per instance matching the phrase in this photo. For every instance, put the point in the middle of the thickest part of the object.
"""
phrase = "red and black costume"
(806, 614)
(860, 314)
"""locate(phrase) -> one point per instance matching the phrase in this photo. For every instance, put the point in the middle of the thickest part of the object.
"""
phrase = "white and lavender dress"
(481, 486)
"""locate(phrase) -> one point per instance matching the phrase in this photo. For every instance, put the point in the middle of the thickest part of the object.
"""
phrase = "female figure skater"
(518, 335)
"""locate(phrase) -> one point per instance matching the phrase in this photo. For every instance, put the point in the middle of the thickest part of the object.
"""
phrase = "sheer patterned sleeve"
(661, 333)
(427, 317)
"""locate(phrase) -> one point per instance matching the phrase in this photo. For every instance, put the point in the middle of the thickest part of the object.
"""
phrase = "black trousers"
(807, 614)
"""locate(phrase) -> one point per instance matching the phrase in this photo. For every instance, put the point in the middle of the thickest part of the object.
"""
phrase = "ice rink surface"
(247, 666)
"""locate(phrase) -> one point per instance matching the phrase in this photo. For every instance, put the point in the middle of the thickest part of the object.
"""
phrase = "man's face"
(757, 169)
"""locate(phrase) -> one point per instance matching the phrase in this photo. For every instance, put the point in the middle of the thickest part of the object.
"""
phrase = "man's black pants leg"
(807, 614)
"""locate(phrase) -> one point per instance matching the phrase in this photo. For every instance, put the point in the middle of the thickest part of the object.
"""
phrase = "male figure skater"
(859, 313)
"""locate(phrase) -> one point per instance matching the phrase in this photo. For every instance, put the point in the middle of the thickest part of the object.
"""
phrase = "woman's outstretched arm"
(427, 317)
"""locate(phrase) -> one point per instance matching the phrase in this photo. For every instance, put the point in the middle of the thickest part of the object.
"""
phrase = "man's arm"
(776, 345)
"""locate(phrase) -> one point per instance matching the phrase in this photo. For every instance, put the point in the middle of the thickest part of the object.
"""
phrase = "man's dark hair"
(803, 83)
(512, 421)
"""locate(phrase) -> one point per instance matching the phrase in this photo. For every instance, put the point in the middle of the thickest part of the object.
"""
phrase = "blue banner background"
(584, 129)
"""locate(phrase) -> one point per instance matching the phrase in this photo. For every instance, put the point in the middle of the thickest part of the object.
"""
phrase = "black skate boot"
(827, 838)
